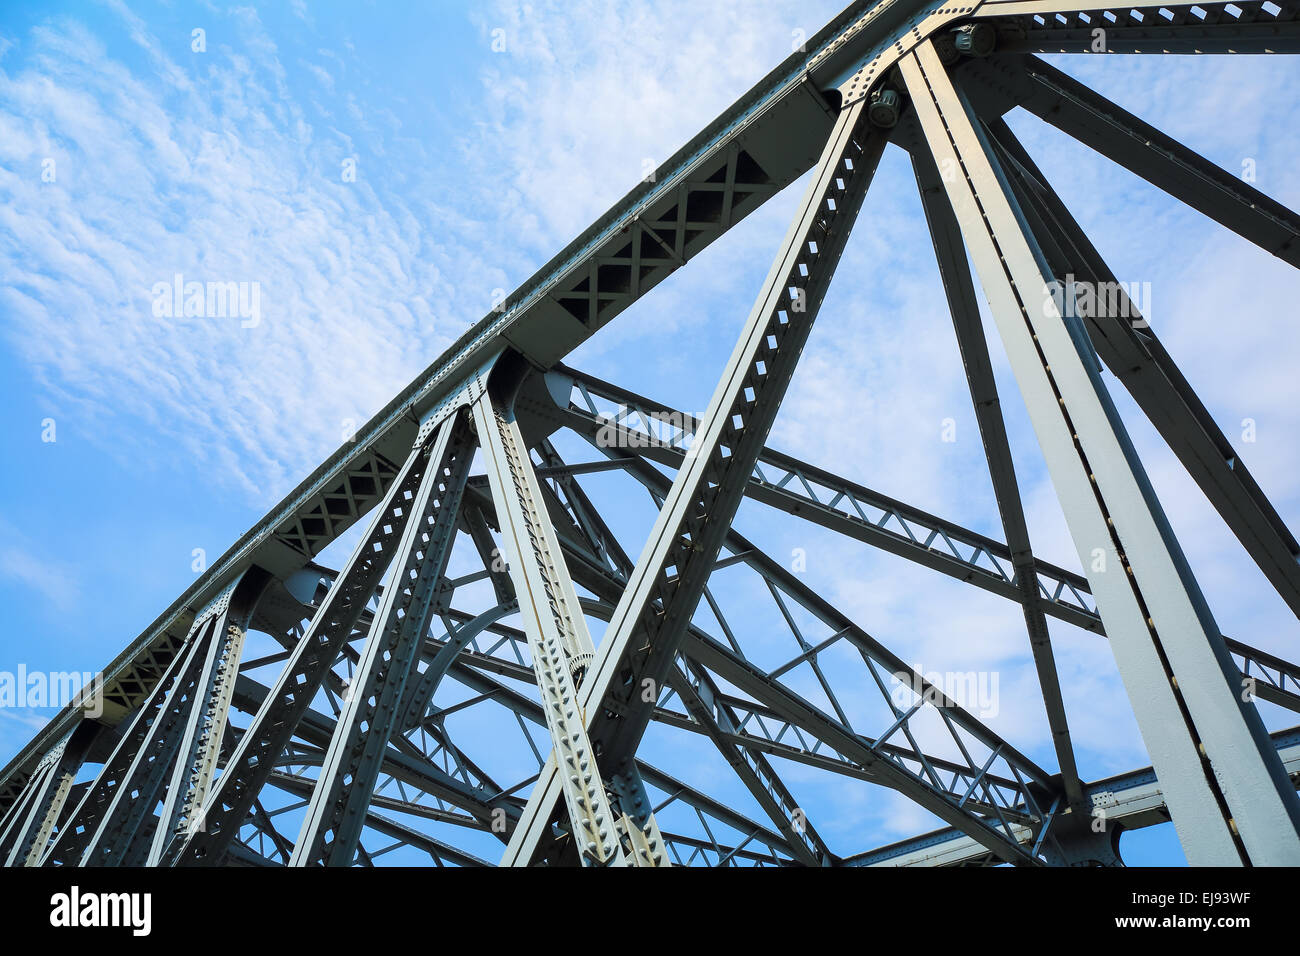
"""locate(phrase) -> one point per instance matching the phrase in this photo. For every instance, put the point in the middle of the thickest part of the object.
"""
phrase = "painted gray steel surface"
(186, 725)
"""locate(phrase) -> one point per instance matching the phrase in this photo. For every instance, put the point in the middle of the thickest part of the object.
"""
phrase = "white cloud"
(217, 179)
(26, 567)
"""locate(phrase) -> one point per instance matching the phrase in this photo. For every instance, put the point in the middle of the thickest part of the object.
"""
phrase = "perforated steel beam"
(1059, 26)
(336, 814)
(313, 657)
(562, 651)
(29, 825)
(841, 505)
(108, 816)
(670, 575)
(168, 694)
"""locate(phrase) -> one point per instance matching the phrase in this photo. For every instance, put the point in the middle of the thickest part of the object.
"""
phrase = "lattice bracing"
(448, 646)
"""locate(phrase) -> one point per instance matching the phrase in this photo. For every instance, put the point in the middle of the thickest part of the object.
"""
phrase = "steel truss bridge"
(348, 740)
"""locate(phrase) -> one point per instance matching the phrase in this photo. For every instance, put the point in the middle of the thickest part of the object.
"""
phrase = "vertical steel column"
(134, 797)
(17, 817)
(951, 255)
(313, 658)
(337, 811)
(1132, 351)
(101, 799)
(202, 735)
(1230, 798)
(668, 581)
(560, 645)
(205, 726)
(25, 839)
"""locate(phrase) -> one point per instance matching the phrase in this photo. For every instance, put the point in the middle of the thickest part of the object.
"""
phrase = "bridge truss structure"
(346, 742)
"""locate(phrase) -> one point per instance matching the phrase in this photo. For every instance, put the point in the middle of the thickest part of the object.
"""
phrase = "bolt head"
(976, 39)
(885, 108)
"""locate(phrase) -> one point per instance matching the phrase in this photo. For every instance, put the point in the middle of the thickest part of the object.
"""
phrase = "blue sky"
(474, 166)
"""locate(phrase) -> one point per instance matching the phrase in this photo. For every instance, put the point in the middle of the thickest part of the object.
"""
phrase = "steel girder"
(758, 729)
(312, 658)
(636, 657)
(659, 433)
(775, 714)
(26, 829)
(174, 697)
(774, 119)
(412, 774)
(562, 652)
(1131, 349)
(946, 238)
(1170, 652)
(834, 502)
(105, 828)
(337, 810)
(1130, 801)
(1063, 27)
(474, 659)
